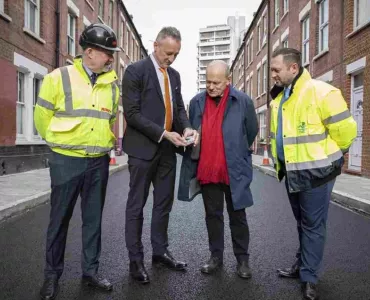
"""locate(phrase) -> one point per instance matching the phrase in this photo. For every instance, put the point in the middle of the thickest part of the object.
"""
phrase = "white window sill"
(258, 52)
(307, 63)
(33, 35)
(258, 97)
(5, 16)
(68, 61)
(24, 141)
(101, 20)
(358, 29)
(263, 94)
(89, 4)
(276, 28)
(322, 53)
(284, 15)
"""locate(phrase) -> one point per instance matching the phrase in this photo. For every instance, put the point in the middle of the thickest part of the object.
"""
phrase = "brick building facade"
(333, 37)
(36, 37)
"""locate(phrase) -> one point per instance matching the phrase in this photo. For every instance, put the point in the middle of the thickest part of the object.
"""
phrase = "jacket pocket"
(64, 125)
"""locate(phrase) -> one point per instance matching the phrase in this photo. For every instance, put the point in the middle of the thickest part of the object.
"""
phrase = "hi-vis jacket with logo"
(317, 129)
(74, 117)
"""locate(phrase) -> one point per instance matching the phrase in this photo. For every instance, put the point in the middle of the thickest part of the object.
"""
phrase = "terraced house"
(333, 37)
(37, 36)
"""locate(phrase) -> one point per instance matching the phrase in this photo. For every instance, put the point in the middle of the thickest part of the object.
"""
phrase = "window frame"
(21, 134)
(285, 6)
(305, 40)
(323, 25)
(264, 77)
(27, 14)
(2, 6)
(110, 13)
(277, 13)
(101, 9)
(72, 38)
(357, 7)
(259, 81)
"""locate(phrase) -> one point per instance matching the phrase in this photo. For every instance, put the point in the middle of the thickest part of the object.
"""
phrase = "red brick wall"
(356, 47)
(8, 95)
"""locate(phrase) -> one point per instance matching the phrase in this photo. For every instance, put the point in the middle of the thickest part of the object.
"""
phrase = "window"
(29, 78)
(324, 26)
(110, 16)
(362, 12)
(251, 87)
(248, 54)
(251, 49)
(277, 12)
(32, 15)
(264, 39)
(262, 123)
(264, 70)
(132, 51)
(258, 82)
(2, 6)
(306, 40)
(71, 34)
(101, 9)
(121, 33)
(285, 43)
(259, 37)
(286, 6)
(21, 107)
(128, 33)
(36, 90)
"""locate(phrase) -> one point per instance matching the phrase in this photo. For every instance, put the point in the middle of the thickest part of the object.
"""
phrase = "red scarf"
(212, 167)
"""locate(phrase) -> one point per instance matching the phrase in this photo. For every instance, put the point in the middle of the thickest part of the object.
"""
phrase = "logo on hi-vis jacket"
(302, 127)
(106, 110)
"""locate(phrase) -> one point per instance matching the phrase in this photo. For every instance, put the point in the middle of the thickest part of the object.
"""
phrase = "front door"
(355, 153)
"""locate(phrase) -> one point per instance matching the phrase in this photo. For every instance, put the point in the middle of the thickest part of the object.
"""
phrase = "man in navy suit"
(157, 123)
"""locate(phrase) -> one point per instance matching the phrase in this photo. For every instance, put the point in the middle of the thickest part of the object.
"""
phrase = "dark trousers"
(161, 172)
(213, 198)
(310, 209)
(71, 177)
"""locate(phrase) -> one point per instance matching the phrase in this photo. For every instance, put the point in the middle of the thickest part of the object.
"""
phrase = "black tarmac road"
(345, 271)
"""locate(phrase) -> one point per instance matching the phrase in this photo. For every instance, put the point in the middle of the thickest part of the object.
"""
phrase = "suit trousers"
(71, 177)
(213, 198)
(310, 209)
(161, 172)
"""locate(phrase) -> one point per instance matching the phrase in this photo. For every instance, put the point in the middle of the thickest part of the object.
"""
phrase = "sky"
(188, 16)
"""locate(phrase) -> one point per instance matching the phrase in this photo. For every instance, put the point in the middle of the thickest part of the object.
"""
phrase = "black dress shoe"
(243, 270)
(309, 291)
(292, 272)
(169, 261)
(212, 265)
(97, 282)
(49, 289)
(138, 272)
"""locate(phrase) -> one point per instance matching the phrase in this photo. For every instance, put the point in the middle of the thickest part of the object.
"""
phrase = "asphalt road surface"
(345, 271)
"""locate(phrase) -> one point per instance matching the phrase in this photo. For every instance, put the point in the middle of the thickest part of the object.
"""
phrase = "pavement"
(23, 191)
(349, 191)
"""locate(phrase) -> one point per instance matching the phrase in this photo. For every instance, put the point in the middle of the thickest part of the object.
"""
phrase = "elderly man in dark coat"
(221, 165)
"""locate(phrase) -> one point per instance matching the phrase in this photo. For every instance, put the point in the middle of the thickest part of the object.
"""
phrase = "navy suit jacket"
(144, 108)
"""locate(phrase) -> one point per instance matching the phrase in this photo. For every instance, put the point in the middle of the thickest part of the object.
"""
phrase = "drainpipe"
(268, 74)
(57, 35)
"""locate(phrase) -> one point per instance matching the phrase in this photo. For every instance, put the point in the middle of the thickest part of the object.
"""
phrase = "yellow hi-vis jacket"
(317, 129)
(74, 117)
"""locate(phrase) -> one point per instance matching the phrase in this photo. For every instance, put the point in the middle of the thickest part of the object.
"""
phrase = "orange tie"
(167, 101)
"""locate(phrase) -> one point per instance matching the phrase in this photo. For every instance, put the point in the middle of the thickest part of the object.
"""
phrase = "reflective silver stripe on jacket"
(84, 113)
(305, 139)
(114, 94)
(322, 163)
(67, 88)
(70, 112)
(337, 118)
(88, 149)
(46, 104)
